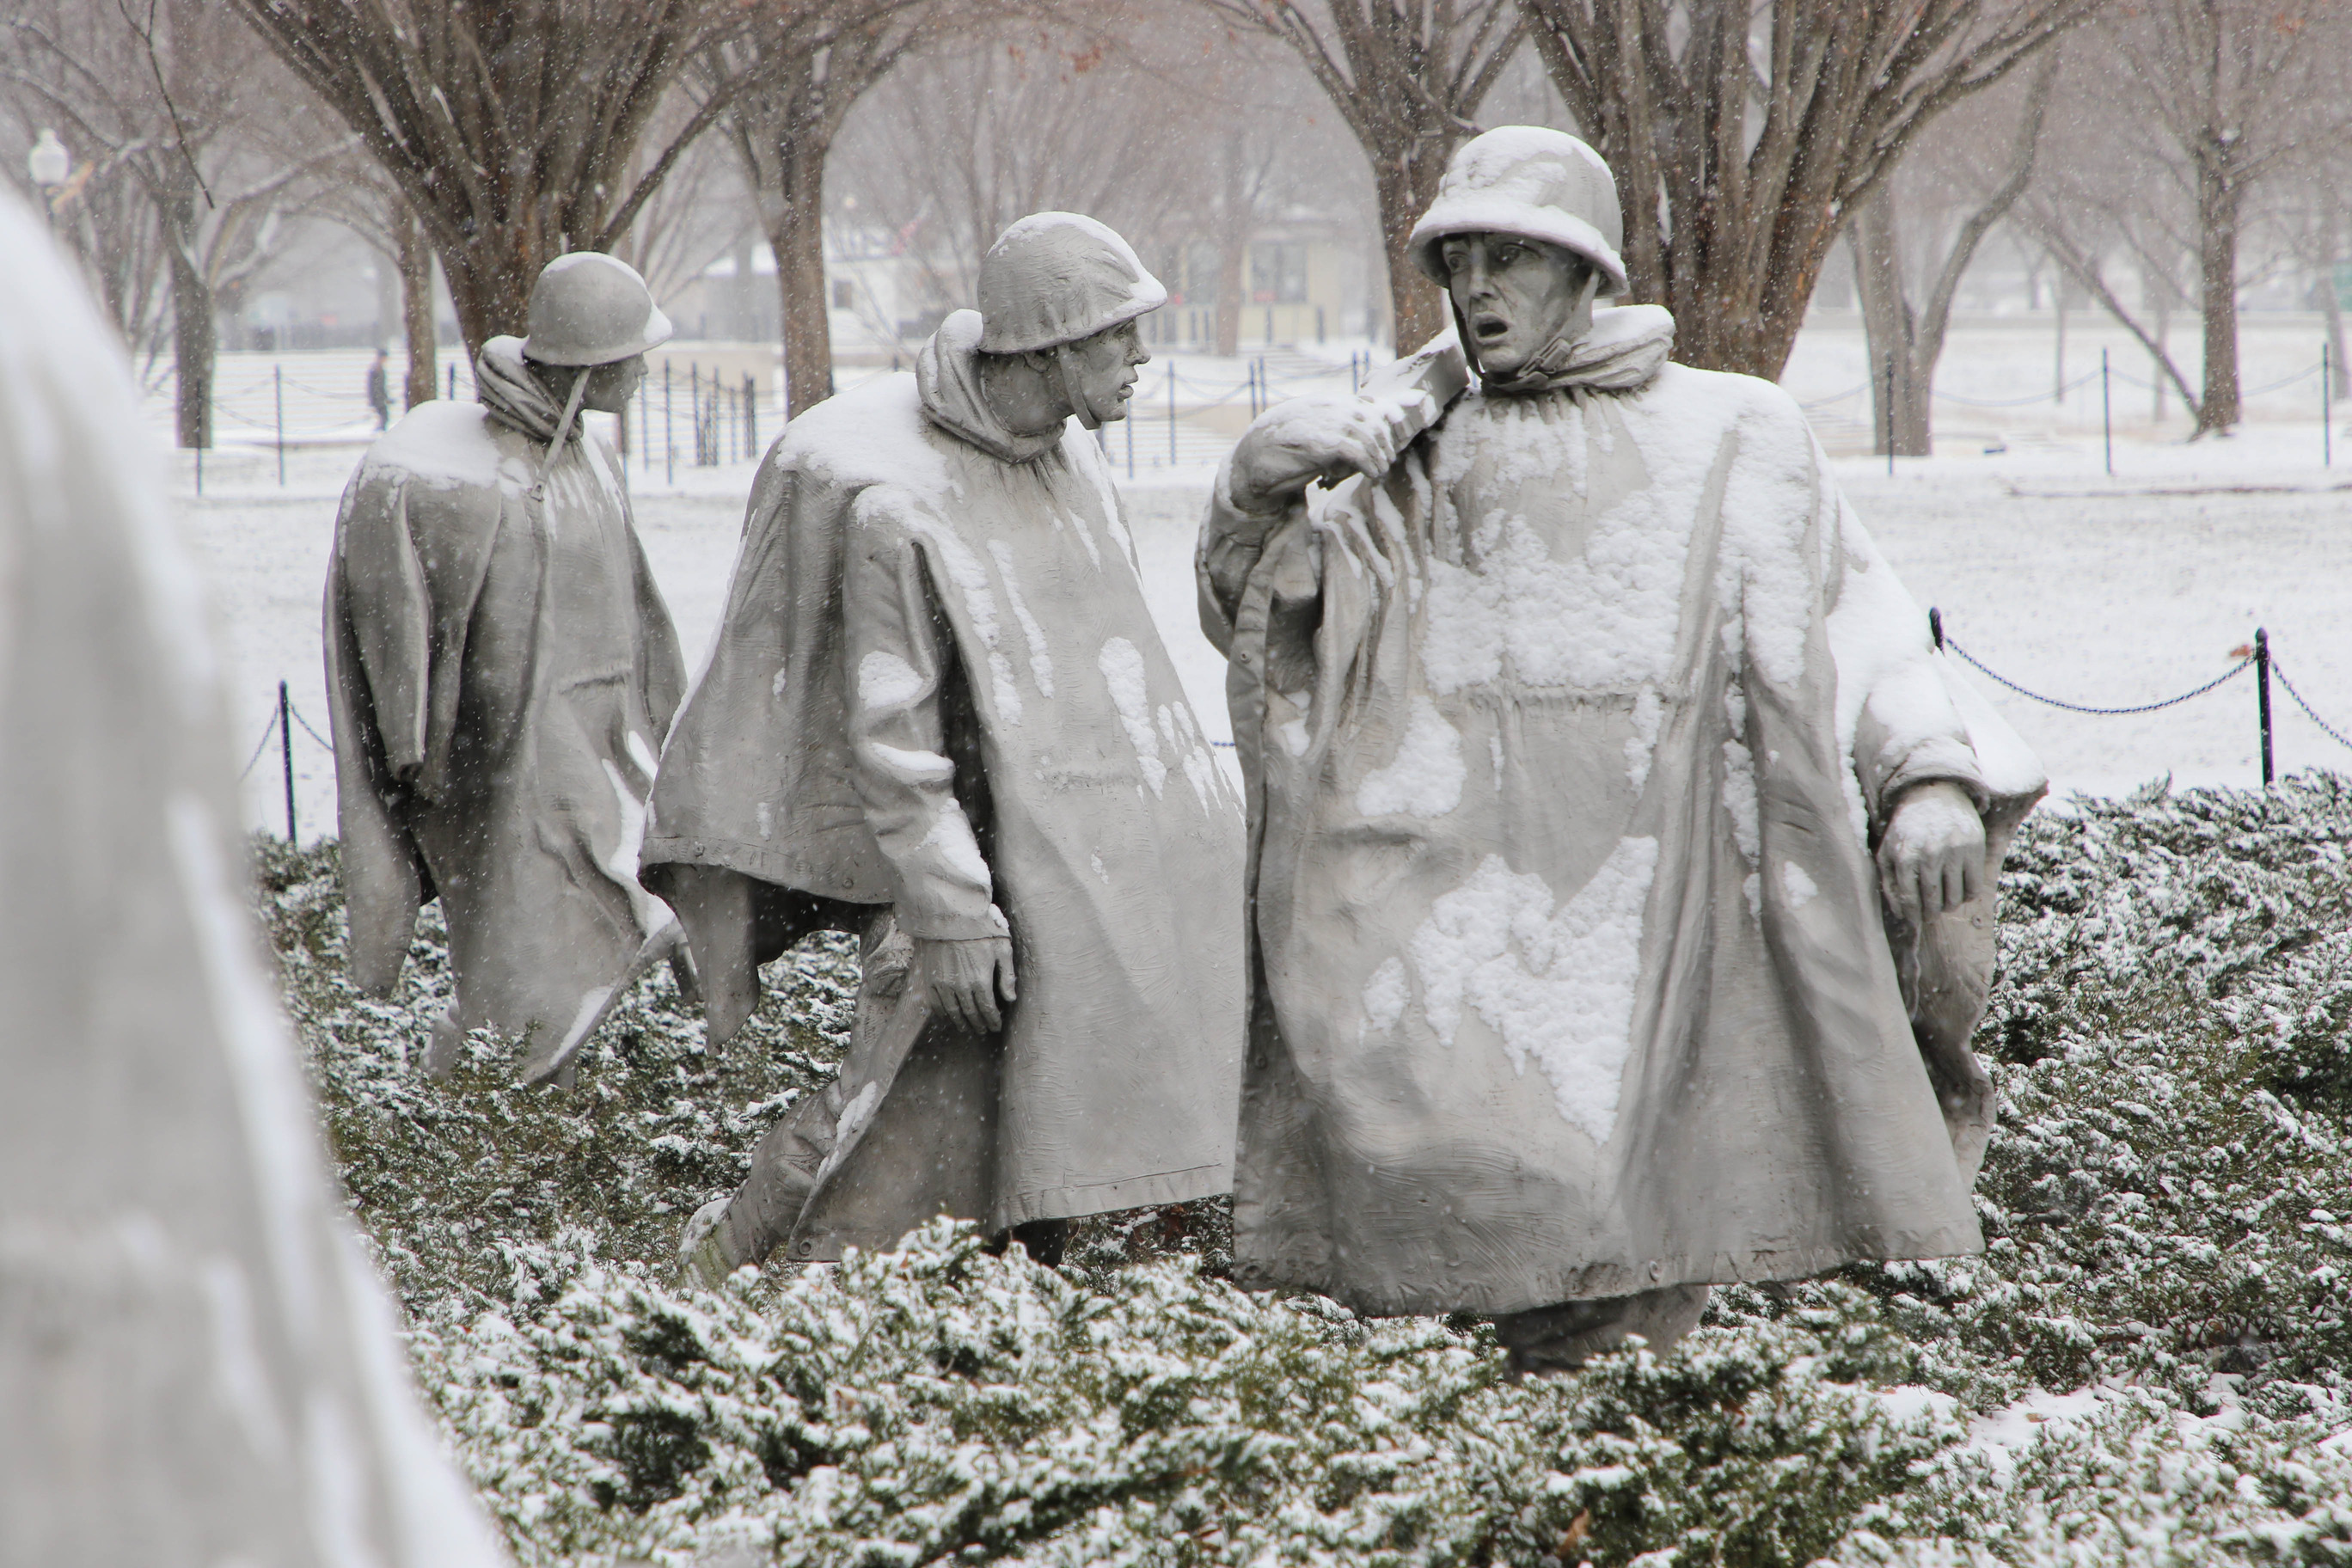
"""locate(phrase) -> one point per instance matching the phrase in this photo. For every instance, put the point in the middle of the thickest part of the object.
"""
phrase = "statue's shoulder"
(1716, 398)
(872, 434)
(448, 446)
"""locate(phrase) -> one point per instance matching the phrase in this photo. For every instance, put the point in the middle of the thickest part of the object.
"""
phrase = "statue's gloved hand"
(966, 978)
(1325, 438)
(1933, 857)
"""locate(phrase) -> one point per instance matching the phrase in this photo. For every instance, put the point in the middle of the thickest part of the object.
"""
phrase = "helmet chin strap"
(562, 430)
(1079, 406)
(1552, 357)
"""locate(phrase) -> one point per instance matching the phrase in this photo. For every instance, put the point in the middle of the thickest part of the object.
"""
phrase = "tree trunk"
(2217, 224)
(192, 344)
(1233, 259)
(417, 322)
(1405, 177)
(797, 237)
(1898, 381)
(490, 278)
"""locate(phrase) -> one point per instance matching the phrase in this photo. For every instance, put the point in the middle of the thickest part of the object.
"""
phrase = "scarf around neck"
(947, 377)
(1625, 349)
(513, 396)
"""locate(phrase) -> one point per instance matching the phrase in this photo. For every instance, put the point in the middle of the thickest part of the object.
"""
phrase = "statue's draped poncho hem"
(1567, 743)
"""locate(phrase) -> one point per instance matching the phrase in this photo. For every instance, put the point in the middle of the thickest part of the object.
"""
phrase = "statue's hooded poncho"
(1567, 743)
(501, 671)
(937, 686)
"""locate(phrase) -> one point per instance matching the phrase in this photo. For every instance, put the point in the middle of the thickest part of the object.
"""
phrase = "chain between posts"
(2258, 659)
(2230, 674)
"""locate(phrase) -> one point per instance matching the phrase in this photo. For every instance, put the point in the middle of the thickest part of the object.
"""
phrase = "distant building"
(1303, 280)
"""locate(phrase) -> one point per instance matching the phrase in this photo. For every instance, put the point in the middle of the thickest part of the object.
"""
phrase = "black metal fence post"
(2262, 695)
(1935, 626)
(285, 751)
(1890, 415)
(2106, 415)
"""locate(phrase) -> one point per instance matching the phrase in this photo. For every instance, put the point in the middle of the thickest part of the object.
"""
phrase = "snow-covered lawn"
(2105, 591)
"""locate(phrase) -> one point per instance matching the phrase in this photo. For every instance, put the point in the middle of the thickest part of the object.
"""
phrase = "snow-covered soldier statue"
(938, 715)
(501, 670)
(1570, 731)
(196, 1364)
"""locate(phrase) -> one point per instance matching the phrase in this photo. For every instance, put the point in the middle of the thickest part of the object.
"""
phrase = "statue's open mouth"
(1490, 328)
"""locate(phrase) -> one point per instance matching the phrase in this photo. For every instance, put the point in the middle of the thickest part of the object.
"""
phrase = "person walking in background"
(379, 393)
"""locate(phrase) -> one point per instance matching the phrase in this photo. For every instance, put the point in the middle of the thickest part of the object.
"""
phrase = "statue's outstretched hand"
(966, 978)
(1326, 438)
(1933, 857)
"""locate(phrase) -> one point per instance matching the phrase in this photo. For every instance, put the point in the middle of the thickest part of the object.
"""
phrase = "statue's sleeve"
(896, 651)
(390, 611)
(1232, 543)
(1894, 711)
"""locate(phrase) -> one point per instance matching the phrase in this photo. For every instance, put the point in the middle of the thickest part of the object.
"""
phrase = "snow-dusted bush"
(2168, 1207)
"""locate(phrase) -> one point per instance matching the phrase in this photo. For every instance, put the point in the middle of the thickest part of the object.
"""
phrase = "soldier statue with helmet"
(1621, 847)
(501, 671)
(938, 716)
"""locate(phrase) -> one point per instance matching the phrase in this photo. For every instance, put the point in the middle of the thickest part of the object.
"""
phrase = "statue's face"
(1103, 368)
(1515, 296)
(609, 386)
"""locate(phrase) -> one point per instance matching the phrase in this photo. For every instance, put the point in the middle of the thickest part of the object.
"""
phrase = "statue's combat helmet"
(1057, 278)
(589, 307)
(1532, 182)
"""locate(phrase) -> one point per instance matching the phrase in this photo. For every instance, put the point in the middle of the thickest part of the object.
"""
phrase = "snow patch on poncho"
(1500, 604)
(1426, 778)
(1555, 982)
(1122, 669)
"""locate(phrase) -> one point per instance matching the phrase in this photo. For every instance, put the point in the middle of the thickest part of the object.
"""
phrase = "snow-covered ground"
(2108, 592)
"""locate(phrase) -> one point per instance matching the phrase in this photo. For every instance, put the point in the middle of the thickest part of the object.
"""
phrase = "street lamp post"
(49, 164)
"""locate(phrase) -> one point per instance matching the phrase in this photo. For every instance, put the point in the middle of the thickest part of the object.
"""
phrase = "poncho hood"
(947, 378)
(1625, 350)
(513, 396)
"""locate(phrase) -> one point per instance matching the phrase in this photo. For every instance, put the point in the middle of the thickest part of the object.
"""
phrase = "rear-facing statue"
(1623, 852)
(501, 671)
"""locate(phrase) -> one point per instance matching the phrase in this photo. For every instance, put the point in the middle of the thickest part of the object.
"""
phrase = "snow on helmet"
(1056, 277)
(1532, 182)
(589, 307)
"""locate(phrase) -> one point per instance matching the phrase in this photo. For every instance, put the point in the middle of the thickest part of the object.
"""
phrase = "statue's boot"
(1550, 1340)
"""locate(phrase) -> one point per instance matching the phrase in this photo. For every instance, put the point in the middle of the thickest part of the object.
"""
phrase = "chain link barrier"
(2230, 674)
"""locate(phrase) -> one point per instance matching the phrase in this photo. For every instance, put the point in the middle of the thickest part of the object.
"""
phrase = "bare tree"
(170, 97)
(102, 215)
(512, 126)
(2206, 105)
(361, 197)
(2237, 87)
(800, 87)
(1905, 343)
(958, 142)
(1408, 77)
(1744, 133)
